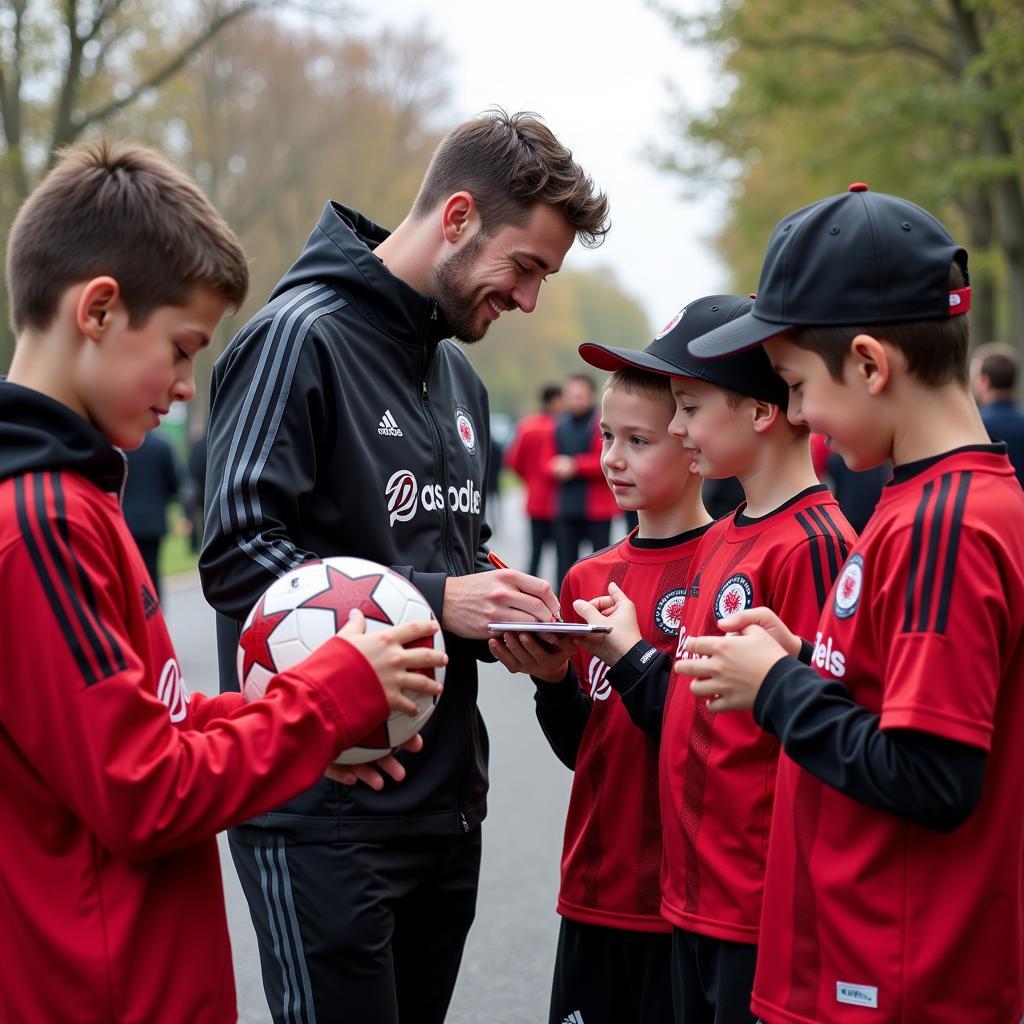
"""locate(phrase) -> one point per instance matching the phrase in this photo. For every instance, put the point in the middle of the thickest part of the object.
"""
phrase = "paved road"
(506, 971)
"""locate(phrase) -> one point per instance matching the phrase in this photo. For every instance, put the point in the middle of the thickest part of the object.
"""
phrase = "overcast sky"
(597, 71)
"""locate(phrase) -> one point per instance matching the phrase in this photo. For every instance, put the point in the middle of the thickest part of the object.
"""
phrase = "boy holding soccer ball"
(116, 778)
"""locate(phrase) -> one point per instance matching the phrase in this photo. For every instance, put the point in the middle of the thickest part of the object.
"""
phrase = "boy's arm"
(563, 710)
(83, 713)
(640, 678)
(932, 781)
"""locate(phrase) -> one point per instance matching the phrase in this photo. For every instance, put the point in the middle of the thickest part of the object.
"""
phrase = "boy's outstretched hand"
(542, 655)
(398, 668)
(729, 670)
(615, 610)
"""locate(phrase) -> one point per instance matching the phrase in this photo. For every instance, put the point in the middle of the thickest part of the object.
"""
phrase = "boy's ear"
(872, 362)
(766, 414)
(95, 306)
(459, 216)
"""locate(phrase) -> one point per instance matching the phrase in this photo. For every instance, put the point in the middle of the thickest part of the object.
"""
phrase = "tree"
(917, 97)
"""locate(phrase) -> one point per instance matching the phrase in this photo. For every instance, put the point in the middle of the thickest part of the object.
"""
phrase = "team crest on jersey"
(668, 613)
(735, 594)
(597, 674)
(848, 587)
(172, 690)
(466, 432)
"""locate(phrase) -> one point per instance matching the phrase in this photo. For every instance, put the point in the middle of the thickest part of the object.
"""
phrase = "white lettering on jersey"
(405, 498)
(597, 672)
(172, 690)
(832, 661)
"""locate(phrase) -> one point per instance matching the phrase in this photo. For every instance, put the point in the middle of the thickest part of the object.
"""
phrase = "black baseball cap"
(748, 373)
(860, 257)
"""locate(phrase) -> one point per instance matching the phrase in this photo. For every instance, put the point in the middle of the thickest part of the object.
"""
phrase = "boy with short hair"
(782, 547)
(116, 778)
(614, 950)
(894, 878)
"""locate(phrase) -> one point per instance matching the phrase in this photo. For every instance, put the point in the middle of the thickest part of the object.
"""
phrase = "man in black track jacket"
(344, 423)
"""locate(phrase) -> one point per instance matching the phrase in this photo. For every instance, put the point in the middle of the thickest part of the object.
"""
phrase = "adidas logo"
(149, 603)
(388, 427)
(574, 1018)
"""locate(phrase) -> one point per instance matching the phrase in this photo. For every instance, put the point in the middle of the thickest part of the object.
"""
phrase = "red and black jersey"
(611, 858)
(115, 778)
(718, 771)
(868, 916)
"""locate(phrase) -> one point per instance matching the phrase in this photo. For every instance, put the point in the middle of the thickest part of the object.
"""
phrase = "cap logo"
(959, 301)
(668, 327)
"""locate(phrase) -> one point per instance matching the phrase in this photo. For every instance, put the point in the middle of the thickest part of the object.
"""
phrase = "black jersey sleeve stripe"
(830, 545)
(844, 551)
(812, 542)
(46, 581)
(915, 556)
(83, 579)
(930, 565)
(61, 559)
(952, 544)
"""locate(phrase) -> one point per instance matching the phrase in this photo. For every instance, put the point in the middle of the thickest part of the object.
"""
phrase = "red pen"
(495, 561)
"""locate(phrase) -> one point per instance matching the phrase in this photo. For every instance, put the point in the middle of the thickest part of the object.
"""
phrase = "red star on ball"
(344, 593)
(255, 639)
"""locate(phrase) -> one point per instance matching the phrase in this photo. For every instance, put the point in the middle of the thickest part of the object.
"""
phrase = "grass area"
(176, 554)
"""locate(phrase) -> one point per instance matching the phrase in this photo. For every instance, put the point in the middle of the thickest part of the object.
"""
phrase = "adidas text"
(388, 427)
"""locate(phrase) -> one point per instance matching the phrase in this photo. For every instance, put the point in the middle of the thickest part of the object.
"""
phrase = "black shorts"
(360, 931)
(712, 979)
(611, 976)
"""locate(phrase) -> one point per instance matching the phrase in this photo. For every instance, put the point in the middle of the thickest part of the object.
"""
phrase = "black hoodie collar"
(39, 433)
(339, 253)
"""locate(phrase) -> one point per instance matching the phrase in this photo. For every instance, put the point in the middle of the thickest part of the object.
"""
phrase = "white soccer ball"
(307, 606)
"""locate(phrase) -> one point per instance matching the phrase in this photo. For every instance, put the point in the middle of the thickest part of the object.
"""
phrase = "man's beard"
(459, 308)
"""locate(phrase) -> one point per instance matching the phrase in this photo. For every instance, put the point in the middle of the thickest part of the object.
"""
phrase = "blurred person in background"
(528, 456)
(585, 504)
(154, 480)
(994, 380)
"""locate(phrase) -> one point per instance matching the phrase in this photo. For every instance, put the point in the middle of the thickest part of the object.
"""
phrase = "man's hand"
(729, 670)
(398, 668)
(505, 595)
(613, 609)
(542, 655)
(768, 621)
(373, 772)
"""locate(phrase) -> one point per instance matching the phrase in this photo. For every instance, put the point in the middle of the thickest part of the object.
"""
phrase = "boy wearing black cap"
(614, 947)
(781, 548)
(894, 877)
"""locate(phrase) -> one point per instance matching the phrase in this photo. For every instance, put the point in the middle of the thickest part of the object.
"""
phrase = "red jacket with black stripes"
(717, 772)
(115, 777)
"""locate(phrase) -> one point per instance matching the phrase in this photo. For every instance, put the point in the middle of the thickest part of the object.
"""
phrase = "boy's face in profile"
(719, 436)
(842, 410)
(645, 466)
(128, 377)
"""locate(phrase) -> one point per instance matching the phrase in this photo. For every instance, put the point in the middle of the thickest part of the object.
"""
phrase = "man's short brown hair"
(998, 362)
(120, 210)
(509, 163)
(936, 350)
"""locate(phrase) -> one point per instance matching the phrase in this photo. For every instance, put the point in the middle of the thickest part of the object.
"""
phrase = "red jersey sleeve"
(947, 616)
(82, 707)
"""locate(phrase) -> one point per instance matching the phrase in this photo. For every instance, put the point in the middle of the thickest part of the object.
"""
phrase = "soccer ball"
(307, 606)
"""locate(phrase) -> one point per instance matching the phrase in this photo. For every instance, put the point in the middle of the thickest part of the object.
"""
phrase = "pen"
(496, 561)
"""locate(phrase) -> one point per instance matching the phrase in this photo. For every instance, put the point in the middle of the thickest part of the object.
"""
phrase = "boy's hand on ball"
(372, 773)
(729, 670)
(398, 667)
